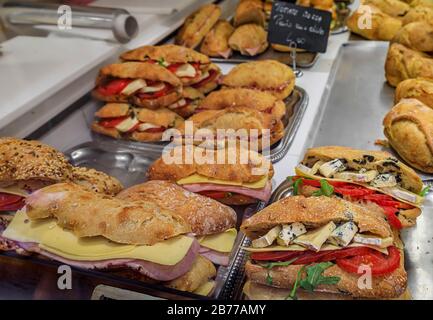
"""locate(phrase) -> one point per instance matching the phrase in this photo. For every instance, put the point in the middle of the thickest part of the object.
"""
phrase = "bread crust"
(23, 160)
(90, 214)
(388, 286)
(96, 181)
(421, 13)
(159, 102)
(403, 63)
(314, 212)
(171, 53)
(394, 8)
(216, 42)
(113, 110)
(205, 215)
(249, 11)
(161, 170)
(416, 35)
(383, 26)
(358, 159)
(409, 129)
(249, 39)
(419, 88)
(266, 75)
(197, 25)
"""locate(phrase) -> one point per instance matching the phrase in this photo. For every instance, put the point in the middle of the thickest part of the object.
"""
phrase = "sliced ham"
(216, 257)
(263, 194)
(225, 54)
(252, 51)
(152, 270)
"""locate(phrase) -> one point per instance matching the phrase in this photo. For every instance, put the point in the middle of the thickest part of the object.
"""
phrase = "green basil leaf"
(161, 62)
(326, 188)
(424, 191)
(296, 187)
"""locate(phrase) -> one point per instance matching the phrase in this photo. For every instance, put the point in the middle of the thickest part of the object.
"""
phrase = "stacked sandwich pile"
(246, 33)
(341, 223)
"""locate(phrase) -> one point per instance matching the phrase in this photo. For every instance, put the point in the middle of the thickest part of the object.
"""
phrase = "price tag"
(307, 27)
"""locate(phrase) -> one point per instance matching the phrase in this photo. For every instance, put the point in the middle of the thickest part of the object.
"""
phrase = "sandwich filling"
(12, 198)
(191, 72)
(163, 261)
(217, 247)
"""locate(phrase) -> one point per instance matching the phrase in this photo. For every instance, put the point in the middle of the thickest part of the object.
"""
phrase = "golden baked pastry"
(409, 129)
(186, 106)
(421, 3)
(418, 88)
(249, 39)
(249, 11)
(416, 35)
(394, 8)
(216, 42)
(403, 63)
(265, 75)
(197, 25)
(419, 14)
(383, 26)
(283, 48)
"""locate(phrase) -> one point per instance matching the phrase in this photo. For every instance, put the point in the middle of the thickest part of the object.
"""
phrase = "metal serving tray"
(354, 104)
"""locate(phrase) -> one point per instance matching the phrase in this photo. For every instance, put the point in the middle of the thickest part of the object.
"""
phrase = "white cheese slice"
(146, 125)
(330, 168)
(133, 86)
(404, 194)
(154, 88)
(267, 239)
(177, 104)
(186, 70)
(203, 76)
(372, 240)
(289, 232)
(343, 234)
(357, 177)
(325, 247)
(316, 238)
(384, 180)
(127, 124)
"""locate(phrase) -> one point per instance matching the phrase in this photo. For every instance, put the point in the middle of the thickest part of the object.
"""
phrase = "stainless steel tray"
(354, 104)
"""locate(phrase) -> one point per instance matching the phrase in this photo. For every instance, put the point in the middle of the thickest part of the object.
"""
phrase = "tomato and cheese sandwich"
(324, 244)
(123, 121)
(213, 223)
(245, 98)
(69, 224)
(242, 176)
(191, 100)
(190, 66)
(144, 84)
(265, 75)
(371, 178)
(26, 166)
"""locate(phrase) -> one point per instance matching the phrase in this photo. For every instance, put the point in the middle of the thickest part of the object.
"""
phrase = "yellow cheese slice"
(222, 242)
(64, 243)
(14, 190)
(206, 288)
(325, 247)
(197, 178)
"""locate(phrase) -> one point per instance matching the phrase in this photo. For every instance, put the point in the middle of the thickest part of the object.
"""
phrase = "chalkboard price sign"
(308, 28)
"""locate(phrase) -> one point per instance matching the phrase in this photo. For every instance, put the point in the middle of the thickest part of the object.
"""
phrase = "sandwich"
(249, 39)
(187, 64)
(237, 177)
(409, 129)
(418, 88)
(403, 63)
(146, 85)
(191, 100)
(394, 8)
(324, 244)
(253, 126)
(197, 25)
(216, 42)
(383, 26)
(374, 179)
(123, 121)
(69, 224)
(283, 48)
(416, 35)
(249, 11)
(421, 13)
(245, 98)
(209, 81)
(212, 223)
(266, 75)
(27, 166)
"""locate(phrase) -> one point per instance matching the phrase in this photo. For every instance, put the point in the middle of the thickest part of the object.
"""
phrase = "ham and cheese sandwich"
(123, 121)
(249, 39)
(324, 244)
(144, 84)
(26, 166)
(216, 42)
(69, 224)
(190, 66)
(374, 179)
(265, 75)
(213, 223)
(233, 182)
(191, 99)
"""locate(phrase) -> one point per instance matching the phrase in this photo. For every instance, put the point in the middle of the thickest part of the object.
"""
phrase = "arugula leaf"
(296, 187)
(269, 279)
(270, 265)
(292, 295)
(424, 191)
(315, 276)
(317, 193)
(326, 188)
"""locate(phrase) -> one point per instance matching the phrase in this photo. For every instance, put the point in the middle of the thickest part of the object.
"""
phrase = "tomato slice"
(174, 66)
(275, 255)
(316, 183)
(215, 194)
(113, 87)
(353, 191)
(10, 202)
(344, 253)
(155, 130)
(111, 122)
(380, 263)
(212, 75)
(392, 218)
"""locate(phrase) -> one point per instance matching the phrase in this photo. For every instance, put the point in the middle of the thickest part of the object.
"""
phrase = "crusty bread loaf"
(418, 88)
(416, 35)
(96, 181)
(216, 42)
(90, 214)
